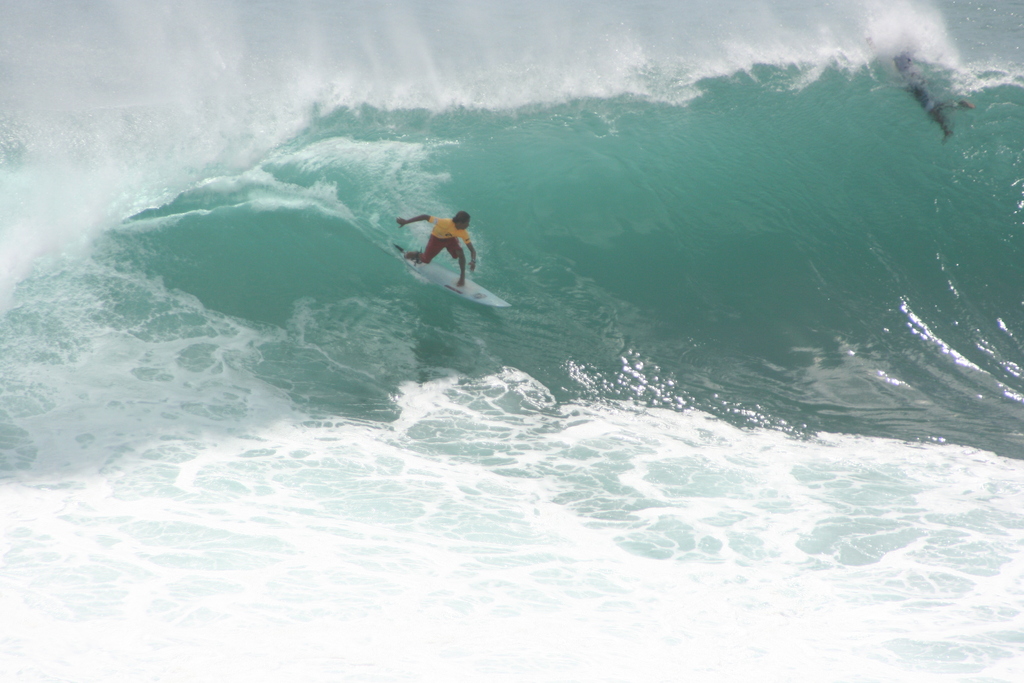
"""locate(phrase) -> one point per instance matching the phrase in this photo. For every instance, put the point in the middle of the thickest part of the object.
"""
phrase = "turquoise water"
(790, 250)
(755, 411)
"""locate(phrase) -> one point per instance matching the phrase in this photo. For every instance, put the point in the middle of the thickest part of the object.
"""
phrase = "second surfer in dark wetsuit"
(916, 86)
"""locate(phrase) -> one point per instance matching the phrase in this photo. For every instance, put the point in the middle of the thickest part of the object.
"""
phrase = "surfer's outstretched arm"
(404, 221)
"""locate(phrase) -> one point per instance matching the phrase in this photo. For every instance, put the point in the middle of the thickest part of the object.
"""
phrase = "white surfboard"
(443, 277)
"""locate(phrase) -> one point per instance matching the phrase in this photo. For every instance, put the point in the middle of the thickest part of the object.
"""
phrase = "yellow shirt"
(444, 228)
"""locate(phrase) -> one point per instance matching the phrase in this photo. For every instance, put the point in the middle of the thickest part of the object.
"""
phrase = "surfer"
(916, 86)
(446, 235)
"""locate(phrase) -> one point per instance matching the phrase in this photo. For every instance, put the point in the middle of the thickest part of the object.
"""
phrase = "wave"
(737, 250)
(762, 224)
(805, 256)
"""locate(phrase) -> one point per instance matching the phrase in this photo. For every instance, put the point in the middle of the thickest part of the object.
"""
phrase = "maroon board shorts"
(436, 244)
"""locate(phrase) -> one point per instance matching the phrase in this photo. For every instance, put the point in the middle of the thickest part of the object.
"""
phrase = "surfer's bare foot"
(460, 283)
(413, 256)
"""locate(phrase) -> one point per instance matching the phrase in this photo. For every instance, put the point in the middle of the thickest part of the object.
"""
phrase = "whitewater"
(756, 411)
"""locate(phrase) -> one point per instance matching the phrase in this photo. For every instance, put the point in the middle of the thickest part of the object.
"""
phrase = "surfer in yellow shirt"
(446, 235)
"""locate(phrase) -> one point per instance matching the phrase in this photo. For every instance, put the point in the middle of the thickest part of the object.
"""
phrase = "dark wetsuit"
(916, 86)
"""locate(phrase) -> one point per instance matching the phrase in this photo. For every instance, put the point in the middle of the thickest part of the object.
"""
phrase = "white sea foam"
(490, 534)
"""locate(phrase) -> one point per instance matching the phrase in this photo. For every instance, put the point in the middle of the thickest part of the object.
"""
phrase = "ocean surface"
(756, 412)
